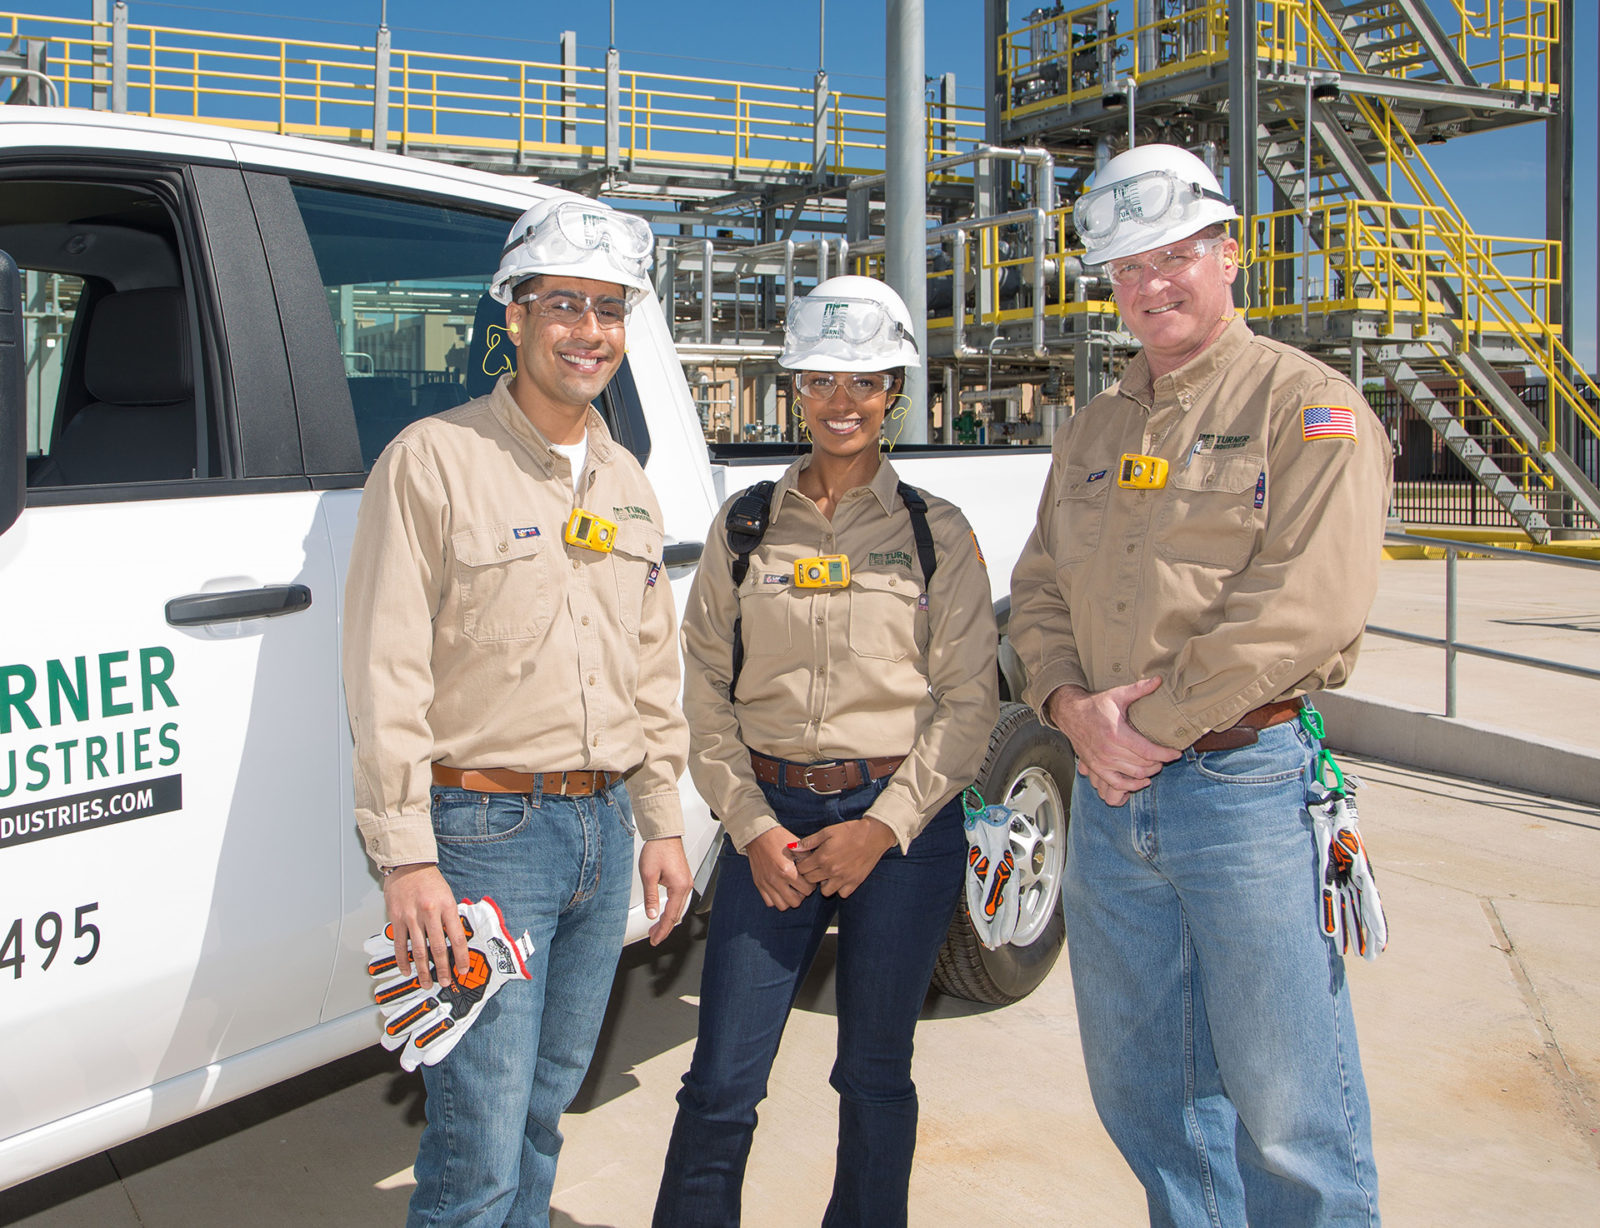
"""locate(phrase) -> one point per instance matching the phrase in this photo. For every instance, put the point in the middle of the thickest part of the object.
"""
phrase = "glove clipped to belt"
(1348, 903)
(425, 1024)
(993, 896)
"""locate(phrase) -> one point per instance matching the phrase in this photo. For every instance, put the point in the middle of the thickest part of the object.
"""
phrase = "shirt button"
(591, 679)
(891, 581)
(1116, 669)
(1121, 606)
(820, 620)
(585, 620)
(596, 741)
(504, 547)
(1131, 549)
(575, 562)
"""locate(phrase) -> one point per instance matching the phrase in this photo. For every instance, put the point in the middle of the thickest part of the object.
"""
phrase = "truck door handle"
(231, 607)
(681, 554)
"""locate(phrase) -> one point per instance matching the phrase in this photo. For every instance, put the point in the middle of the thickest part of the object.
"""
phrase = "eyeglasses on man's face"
(568, 307)
(820, 385)
(1168, 263)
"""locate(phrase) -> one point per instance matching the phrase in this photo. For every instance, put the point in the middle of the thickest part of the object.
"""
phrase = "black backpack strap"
(746, 525)
(917, 506)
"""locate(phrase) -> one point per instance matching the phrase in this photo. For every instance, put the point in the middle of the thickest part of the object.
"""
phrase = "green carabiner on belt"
(1311, 721)
(1325, 760)
(973, 813)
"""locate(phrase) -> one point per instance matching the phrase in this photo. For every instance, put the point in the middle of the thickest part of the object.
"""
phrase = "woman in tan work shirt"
(835, 756)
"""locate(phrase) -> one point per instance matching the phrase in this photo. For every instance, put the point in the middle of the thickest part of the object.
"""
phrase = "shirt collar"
(510, 415)
(1194, 375)
(885, 483)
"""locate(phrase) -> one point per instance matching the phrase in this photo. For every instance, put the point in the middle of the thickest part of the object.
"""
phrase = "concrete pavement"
(1480, 1026)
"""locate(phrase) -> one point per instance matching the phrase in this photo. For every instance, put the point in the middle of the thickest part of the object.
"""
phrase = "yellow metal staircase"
(1396, 249)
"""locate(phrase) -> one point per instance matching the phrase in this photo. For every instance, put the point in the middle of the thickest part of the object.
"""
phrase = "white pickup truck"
(220, 331)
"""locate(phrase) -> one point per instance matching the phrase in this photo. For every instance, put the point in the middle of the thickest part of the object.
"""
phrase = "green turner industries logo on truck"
(78, 736)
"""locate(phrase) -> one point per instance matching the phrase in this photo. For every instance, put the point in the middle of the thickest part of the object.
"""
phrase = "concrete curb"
(1394, 732)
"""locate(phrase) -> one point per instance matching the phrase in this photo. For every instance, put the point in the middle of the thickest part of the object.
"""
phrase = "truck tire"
(1029, 768)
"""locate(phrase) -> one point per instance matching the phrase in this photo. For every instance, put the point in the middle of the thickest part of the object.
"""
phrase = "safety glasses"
(1143, 200)
(854, 321)
(1167, 263)
(820, 385)
(568, 307)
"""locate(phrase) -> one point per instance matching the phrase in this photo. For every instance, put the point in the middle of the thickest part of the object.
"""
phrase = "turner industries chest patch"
(632, 513)
(1327, 422)
(891, 558)
(1220, 443)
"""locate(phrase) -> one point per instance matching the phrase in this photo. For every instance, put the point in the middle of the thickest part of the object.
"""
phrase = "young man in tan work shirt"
(501, 682)
(1206, 553)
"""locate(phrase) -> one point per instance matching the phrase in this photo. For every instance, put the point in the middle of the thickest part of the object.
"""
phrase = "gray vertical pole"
(380, 92)
(569, 87)
(994, 29)
(119, 57)
(613, 109)
(947, 115)
(905, 192)
(102, 30)
(819, 131)
(1242, 127)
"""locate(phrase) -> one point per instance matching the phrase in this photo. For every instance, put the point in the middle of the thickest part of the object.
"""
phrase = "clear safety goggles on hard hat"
(855, 321)
(574, 229)
(1145, 199)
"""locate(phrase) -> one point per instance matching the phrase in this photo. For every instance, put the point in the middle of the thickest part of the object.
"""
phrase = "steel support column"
(905, 191)
(1242, 123)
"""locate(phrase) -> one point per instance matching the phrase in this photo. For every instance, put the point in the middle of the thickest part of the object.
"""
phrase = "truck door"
(169, 713)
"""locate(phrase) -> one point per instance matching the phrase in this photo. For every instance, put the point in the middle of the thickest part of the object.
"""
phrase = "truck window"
(115, 394)
(407, 284)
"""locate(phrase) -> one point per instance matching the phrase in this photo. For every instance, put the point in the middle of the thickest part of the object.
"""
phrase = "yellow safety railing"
(1067, 58)
(1508, 44)
(1516, 40)
(321, 89)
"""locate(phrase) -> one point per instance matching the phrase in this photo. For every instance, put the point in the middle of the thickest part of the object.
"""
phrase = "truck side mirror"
(13, 428)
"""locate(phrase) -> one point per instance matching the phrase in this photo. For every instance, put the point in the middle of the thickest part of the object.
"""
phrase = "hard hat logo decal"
(834, 317)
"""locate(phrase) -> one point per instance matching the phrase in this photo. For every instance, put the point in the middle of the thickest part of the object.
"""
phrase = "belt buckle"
(805, 778)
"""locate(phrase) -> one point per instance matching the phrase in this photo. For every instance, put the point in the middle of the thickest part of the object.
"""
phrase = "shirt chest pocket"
(767, 610)
(883, 615)
(506, 583)
(637, 552)
(1080, 512)
(1210, 511)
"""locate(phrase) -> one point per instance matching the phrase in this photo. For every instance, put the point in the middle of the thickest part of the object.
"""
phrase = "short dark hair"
(1217, 230)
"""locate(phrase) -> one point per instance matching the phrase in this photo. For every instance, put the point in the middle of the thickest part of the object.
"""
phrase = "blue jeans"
(559, 867)
(1215, 1019)
(890, 931)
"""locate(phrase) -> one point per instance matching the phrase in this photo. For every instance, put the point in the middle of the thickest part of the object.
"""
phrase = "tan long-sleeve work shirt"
(1246, 578)
(880, 668)
(476, 637)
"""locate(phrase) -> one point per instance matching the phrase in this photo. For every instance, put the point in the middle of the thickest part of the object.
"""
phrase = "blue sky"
(1498, 178)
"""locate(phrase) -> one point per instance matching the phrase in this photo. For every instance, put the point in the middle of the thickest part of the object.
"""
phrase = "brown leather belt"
(834, 776)
(504, 780)
(1247, 731)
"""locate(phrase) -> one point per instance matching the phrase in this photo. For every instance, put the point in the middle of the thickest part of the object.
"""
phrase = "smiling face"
(841, 426)
(1176, 317)
(561, 368)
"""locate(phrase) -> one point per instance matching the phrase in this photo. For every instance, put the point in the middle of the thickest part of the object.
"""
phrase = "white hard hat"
(579, 238)
(1149, 196)
(993, 894)
(849, 324)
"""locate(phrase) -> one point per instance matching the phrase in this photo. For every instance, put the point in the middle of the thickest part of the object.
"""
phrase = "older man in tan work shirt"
(504, 673)
(1206, 553)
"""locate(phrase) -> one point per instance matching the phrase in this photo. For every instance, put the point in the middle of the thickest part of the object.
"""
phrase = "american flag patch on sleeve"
(1327, 422)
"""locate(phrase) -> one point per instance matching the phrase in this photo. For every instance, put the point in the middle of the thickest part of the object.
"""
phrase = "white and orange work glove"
(1348, 906)
(425, 1024)
(993, 892)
